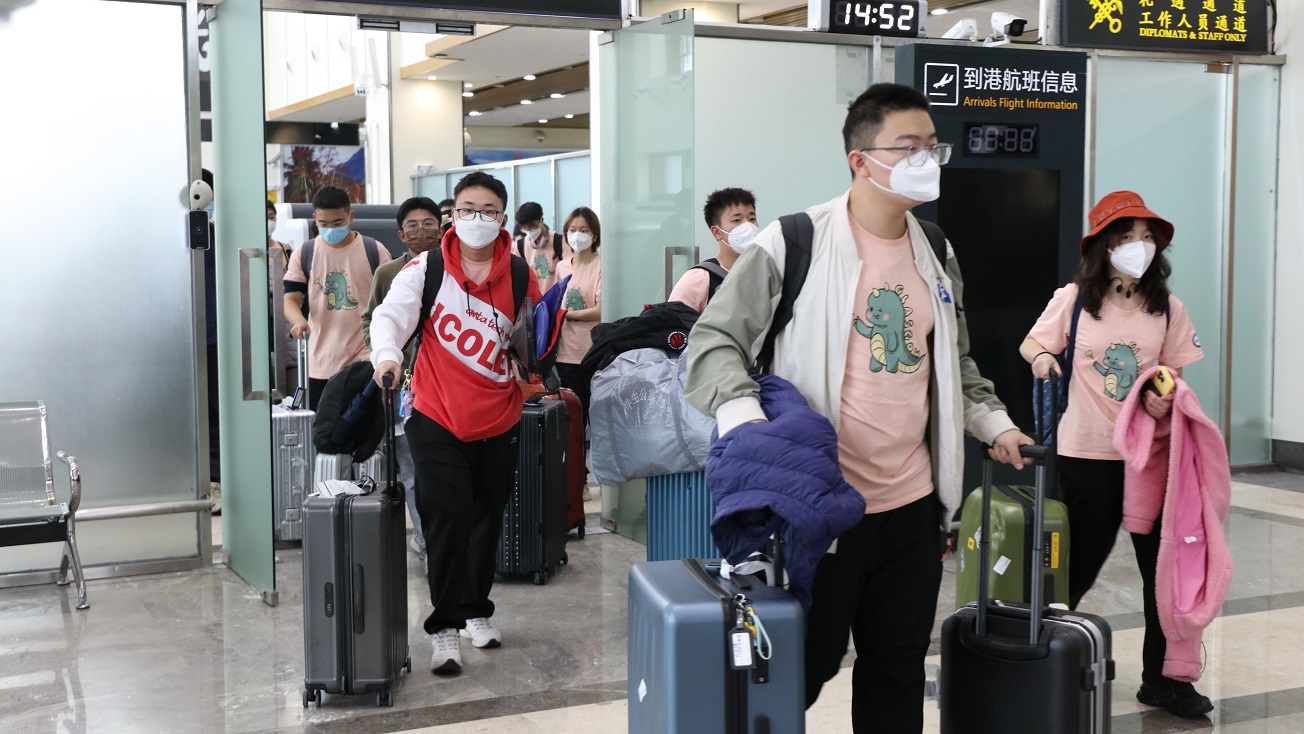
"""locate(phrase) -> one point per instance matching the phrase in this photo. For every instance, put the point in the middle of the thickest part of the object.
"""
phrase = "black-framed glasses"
(918, 155)
(488, 215)
(430, 225)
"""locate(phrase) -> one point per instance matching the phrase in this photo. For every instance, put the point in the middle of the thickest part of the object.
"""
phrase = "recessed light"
(570, 117)
(528, 77)
(468, 94)
(474, 113)
(557, 95)
(468, 85)
(527, 101)
(432, 78)
(938, 11)
(543, 122)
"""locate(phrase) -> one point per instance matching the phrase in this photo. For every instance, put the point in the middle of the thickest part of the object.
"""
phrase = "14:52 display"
(901, 18)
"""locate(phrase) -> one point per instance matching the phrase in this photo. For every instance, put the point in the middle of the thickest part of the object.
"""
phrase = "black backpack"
(715, 271)
(663, 326)
(798, 238)
(350, 418)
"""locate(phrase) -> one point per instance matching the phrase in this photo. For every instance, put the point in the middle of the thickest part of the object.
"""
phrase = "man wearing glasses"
(334, 273)
(878, 344)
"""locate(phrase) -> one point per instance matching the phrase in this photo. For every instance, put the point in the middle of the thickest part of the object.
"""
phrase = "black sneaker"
(1179, 699)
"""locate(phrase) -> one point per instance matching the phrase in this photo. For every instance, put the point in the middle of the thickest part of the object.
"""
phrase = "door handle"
(669, 265)
(246, 327)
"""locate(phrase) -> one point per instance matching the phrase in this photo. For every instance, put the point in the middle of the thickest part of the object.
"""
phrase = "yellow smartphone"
(1162, 382)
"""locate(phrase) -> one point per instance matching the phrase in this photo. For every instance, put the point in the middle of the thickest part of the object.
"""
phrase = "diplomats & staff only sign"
(1199, 26)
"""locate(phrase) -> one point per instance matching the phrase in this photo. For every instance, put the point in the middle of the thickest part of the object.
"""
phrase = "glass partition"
(534, 183)
(99, 322)
(558, 183)
(574, 184)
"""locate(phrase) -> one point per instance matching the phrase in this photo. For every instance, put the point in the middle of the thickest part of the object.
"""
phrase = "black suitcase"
(355, 610)
(1013, 667)
(533, 540)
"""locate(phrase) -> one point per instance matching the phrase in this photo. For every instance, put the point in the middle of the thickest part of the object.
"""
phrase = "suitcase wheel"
(407, 665)
(580, 531)
(305, 698)
(385, 697)
(540, 577)
(565, 558)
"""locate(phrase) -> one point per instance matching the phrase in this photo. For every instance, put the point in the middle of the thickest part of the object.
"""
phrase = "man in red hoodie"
(467, 407)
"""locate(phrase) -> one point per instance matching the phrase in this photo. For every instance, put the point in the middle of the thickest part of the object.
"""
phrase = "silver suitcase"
(292, 463)
(332, 466)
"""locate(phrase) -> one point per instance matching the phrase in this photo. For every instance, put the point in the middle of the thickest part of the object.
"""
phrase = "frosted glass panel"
(433, 187)
(1256, 216)
(647, 157)
(574, 185)
(1175, 156)
(733, 150)
(534, 183)
(78, 283)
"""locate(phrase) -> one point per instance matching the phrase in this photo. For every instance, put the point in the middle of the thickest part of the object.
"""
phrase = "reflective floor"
(199, 652)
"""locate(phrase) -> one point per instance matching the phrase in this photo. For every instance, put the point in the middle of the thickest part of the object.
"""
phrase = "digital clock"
(878, 18)
(1000, 140)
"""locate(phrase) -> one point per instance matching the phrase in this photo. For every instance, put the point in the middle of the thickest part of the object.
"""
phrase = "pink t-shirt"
(337, 295)
(883, 431)
(693, 289)
(476, 271)
(584, 291)
(1109, 356)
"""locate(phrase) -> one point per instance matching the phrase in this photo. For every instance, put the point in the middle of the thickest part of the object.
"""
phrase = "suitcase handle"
(359, 623)
(998, 648)
(1042, 455)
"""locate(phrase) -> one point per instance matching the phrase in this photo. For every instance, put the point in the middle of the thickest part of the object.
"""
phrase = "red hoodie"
(463, 378)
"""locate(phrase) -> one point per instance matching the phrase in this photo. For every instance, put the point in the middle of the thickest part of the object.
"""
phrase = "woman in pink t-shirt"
(1128, 323)
(583, 299)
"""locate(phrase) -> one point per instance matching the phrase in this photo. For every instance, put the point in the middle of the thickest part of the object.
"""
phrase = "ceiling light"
(938, 11)
(432, 78)
(468, 85)
(528, 77)
(570, 117)
(474, 113)
(527, 101)
(543, 122)
(557, 95)
(468, 94)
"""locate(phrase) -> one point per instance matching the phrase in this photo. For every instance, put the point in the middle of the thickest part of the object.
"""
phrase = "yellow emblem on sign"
(1105, 10)
(971, 543)
(1054, 550)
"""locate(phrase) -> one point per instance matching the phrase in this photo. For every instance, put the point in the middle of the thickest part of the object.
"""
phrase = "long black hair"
(1093, 276)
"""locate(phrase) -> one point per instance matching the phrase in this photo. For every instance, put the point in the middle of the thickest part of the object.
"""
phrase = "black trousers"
(315, 389)
(573, 378)
(880, 588)
(1092, 489)
(462, 488)
(214, 432)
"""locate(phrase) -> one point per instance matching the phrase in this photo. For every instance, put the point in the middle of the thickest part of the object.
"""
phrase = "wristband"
(1034, 359)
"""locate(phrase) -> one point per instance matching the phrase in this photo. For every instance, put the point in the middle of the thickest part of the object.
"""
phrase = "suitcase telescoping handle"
(1040, 456)
(301, 392)
(391, 456)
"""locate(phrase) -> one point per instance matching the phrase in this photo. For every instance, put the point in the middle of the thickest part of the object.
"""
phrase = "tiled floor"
(199, 652)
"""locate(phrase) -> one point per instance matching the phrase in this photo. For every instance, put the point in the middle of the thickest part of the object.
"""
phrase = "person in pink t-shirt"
(1128, 323)
(583, 299)
(731, 216)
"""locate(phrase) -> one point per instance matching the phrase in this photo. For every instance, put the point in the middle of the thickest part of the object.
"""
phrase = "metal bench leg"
(77, 572)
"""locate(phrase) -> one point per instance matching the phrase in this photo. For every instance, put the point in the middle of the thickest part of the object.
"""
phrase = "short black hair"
(271, 207)
(530, 211)
(484, 180)
(720, 200)
(447, 203)
(865, 116)
(416, 202)
(331, 197)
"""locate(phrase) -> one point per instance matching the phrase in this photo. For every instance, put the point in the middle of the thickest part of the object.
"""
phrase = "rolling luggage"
(1014, 667)
(292, 462)
(575, 466)
(679, 513)
(355, 605)
(533, 540)
(688, 629)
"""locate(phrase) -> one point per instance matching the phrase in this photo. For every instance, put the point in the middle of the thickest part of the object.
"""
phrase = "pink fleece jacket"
(1177, 472)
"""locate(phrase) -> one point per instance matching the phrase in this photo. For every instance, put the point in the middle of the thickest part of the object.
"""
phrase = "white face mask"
(917, 183)
(1133, 259)
(533, 234)
(476, 233)
(271, 227)
(579, 241)
(742, 236)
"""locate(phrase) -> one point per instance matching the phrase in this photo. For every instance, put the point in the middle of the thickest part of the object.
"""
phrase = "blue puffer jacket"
(781, 476)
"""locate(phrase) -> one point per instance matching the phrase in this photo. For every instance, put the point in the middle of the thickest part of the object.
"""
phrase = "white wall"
(523, 137)
(703, 11)
(1288, 371)
(306, 55)
(426, 123)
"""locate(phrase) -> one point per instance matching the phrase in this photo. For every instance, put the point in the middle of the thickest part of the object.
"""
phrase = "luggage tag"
(406, 397)
(740, 640)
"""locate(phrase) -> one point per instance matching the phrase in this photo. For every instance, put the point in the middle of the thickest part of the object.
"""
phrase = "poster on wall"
(307, 168)
(1199, 26)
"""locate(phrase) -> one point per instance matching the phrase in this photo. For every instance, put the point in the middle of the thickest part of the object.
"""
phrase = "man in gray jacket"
(878, 344)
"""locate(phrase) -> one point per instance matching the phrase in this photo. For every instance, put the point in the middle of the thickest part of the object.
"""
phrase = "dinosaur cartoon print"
(336, 290)
(887, 328)
(1120, 370)
(542, 265)
(574, 300)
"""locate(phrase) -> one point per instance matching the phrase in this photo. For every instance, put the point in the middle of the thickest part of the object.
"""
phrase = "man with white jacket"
(878, 344)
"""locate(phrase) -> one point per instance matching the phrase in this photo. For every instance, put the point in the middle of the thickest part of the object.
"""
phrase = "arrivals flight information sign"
(1200, 26)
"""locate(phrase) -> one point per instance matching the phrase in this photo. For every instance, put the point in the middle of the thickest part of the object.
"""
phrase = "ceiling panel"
(515, 52)
(518, 114)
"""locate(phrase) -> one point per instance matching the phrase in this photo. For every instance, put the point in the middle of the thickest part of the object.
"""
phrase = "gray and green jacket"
(811, 352)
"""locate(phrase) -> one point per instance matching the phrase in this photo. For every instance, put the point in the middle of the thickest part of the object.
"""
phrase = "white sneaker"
(447, 657)
(482, 633)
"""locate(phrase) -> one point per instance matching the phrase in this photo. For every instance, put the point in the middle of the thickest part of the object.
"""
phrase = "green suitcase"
(1011, 546)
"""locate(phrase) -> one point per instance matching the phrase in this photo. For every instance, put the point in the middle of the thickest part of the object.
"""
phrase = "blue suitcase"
(679, 513)
(681, 678)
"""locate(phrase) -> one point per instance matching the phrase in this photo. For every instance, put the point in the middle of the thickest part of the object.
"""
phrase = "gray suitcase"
(355, 608)
(292, 462)
(681, 676)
